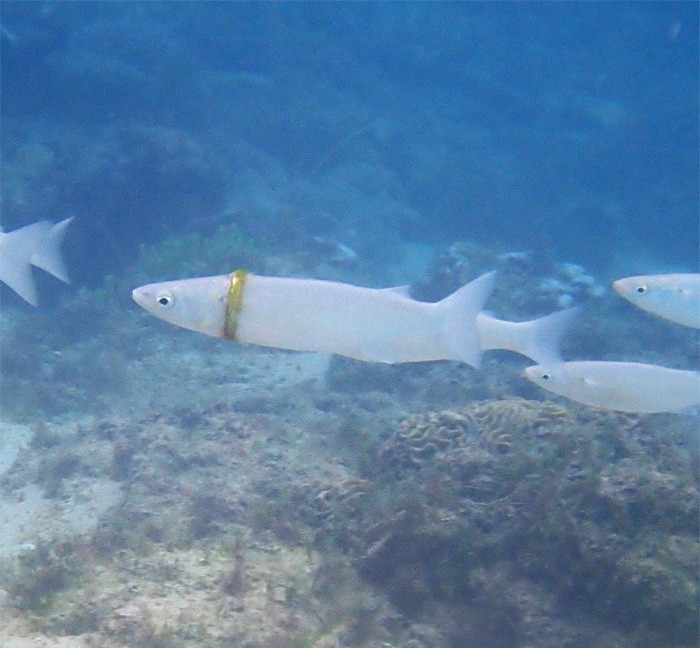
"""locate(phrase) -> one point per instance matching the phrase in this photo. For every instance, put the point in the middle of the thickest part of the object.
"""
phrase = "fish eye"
(640, 290)
(546, 376)
(165, 299)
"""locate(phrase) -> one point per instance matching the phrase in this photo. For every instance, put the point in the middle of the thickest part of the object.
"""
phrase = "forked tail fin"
(537, 339)
(16, 250)
(47, 255)
(545, 335)
(463, 305)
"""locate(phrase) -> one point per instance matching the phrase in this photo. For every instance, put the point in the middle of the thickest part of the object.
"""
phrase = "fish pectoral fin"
(611, 393)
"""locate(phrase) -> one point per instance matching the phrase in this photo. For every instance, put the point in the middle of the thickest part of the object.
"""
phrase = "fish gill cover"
(286, 499)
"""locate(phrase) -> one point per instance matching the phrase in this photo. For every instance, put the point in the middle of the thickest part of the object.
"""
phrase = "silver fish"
(675, 297)
(374, 325)
(623, 386)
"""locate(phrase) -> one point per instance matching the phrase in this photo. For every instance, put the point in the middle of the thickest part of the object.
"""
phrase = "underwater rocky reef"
(327, 512)
(160, 489)
(202, 493)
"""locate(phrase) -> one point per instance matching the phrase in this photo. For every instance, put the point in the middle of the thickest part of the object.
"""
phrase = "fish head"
(675, 297)
(655, 294)
(657, 290)
(194, 304)
(634, 289)
(555, 378)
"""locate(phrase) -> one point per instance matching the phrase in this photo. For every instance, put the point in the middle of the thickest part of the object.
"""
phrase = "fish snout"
(142, 296)
(630, 286)
(136, 295)
(548, 375)
(619, 286)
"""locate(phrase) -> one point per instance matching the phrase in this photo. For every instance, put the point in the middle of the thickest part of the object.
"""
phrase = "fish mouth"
(139, 295)
(531, 372)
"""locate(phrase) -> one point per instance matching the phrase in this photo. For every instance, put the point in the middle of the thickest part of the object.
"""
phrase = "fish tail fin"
(47, 254)
(18, 276)
(543, 336)
(18, 247)
(462, 306)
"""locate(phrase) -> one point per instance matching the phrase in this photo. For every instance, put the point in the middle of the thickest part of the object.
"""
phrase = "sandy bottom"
(257, 591)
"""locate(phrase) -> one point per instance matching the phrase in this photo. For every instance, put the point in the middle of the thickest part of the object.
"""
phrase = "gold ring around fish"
(235, 298)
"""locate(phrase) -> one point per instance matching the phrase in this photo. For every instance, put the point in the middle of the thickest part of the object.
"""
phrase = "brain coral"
(493, 423)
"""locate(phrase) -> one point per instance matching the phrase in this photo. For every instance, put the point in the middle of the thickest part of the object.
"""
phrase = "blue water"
(379, 144)
(569, 128)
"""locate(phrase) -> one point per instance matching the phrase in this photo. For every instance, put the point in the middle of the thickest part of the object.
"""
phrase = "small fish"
(675, 297)
(36, 245)
(374, 325)
(623, 386)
